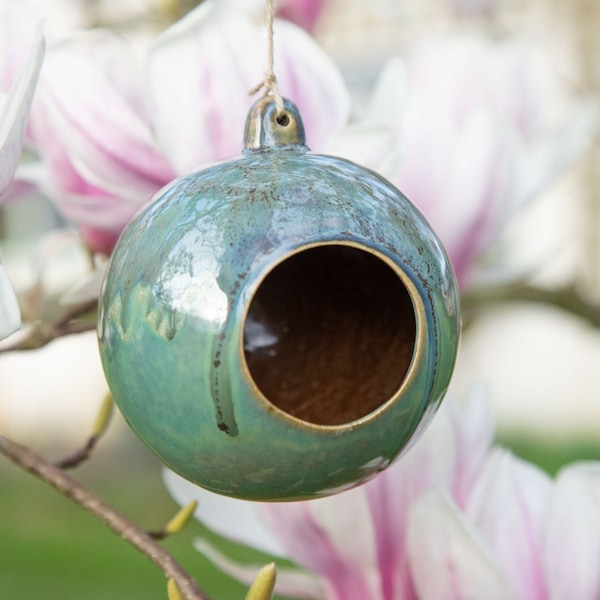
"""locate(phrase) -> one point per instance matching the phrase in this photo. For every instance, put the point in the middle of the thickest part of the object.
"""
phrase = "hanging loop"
(269, 84)
(267, 127)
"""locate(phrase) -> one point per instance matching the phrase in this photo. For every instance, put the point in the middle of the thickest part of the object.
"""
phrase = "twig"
(68, 487)
(80, 456)
(98, 429)
(176, 524)
(66, 324)
(566, 298)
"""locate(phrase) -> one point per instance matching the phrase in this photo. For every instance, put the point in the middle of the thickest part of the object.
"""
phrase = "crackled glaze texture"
(280, 326)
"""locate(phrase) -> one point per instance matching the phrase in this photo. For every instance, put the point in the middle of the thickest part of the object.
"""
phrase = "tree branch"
(68, 487)
(566, 298)
(69, 322)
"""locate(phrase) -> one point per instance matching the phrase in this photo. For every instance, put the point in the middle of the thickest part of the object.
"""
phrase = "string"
(269, 84)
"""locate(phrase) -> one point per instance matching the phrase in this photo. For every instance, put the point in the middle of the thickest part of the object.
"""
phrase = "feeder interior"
(330, 334)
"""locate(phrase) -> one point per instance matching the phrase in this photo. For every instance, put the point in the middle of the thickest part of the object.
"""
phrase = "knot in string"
(269, 85)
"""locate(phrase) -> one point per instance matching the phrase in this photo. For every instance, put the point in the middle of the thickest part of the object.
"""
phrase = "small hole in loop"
(283, 119)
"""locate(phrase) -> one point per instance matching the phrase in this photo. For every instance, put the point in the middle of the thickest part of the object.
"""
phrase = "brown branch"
(79, 456)
(98, 429)
(566, 298)
(68, 487)
(68, 323)
(176, 524)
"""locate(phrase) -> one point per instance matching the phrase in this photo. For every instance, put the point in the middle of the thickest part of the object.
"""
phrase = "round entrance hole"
(330, 334)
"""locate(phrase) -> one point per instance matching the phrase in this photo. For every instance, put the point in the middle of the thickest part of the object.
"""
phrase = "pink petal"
(304, 13)
(10, 316)
(290, 582)
(572, 553)
(93, 208)
(460, 174)
(474, 118)
(509, 507)
(481, 186)
(101, 240)
(333, 537)
(464, 432)
(98, 217)
(450, 454)
(88, 123)
(200, 108)
(471, 71)
(448, 560)
(81, 114)
(15, 111)
(356, 541)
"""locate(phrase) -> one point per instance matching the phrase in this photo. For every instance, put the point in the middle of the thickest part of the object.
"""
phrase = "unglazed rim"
(411, 372)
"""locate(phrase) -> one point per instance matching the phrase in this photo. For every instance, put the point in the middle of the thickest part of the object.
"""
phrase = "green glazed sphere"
(280, 326)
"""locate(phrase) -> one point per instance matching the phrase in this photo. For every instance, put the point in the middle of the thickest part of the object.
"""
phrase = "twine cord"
(269, 85)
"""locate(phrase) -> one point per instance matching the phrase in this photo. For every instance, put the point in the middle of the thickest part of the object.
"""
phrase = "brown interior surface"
(330, 334)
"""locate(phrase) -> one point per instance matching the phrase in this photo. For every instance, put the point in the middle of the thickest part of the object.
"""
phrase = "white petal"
(334, 537)
(15, 112)
(389, 96)
(450, 454)
(86, 290)
(10, 316)
(238, 520)
(100, 129)
(509, 507)
(449, 561)
(376, 147)
(474, 433)
(556, 150)
(572, 553)
(200, 108)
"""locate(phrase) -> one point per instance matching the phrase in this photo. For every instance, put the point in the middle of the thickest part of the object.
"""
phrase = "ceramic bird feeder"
(280, 326)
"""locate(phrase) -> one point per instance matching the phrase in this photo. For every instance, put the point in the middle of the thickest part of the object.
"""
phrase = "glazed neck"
(266, 128)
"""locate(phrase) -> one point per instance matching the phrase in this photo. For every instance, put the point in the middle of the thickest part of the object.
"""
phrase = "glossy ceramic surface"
(280, 326)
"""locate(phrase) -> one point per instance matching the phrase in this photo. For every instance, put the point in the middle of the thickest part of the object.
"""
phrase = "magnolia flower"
(110, 134)
(21, 55)
(454, 519)
(354, 543)
(462, 127)
(478, 135)
(18, 78)
(10, 316)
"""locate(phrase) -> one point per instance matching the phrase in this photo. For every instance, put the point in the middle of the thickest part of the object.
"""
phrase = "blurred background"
(539, 360)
